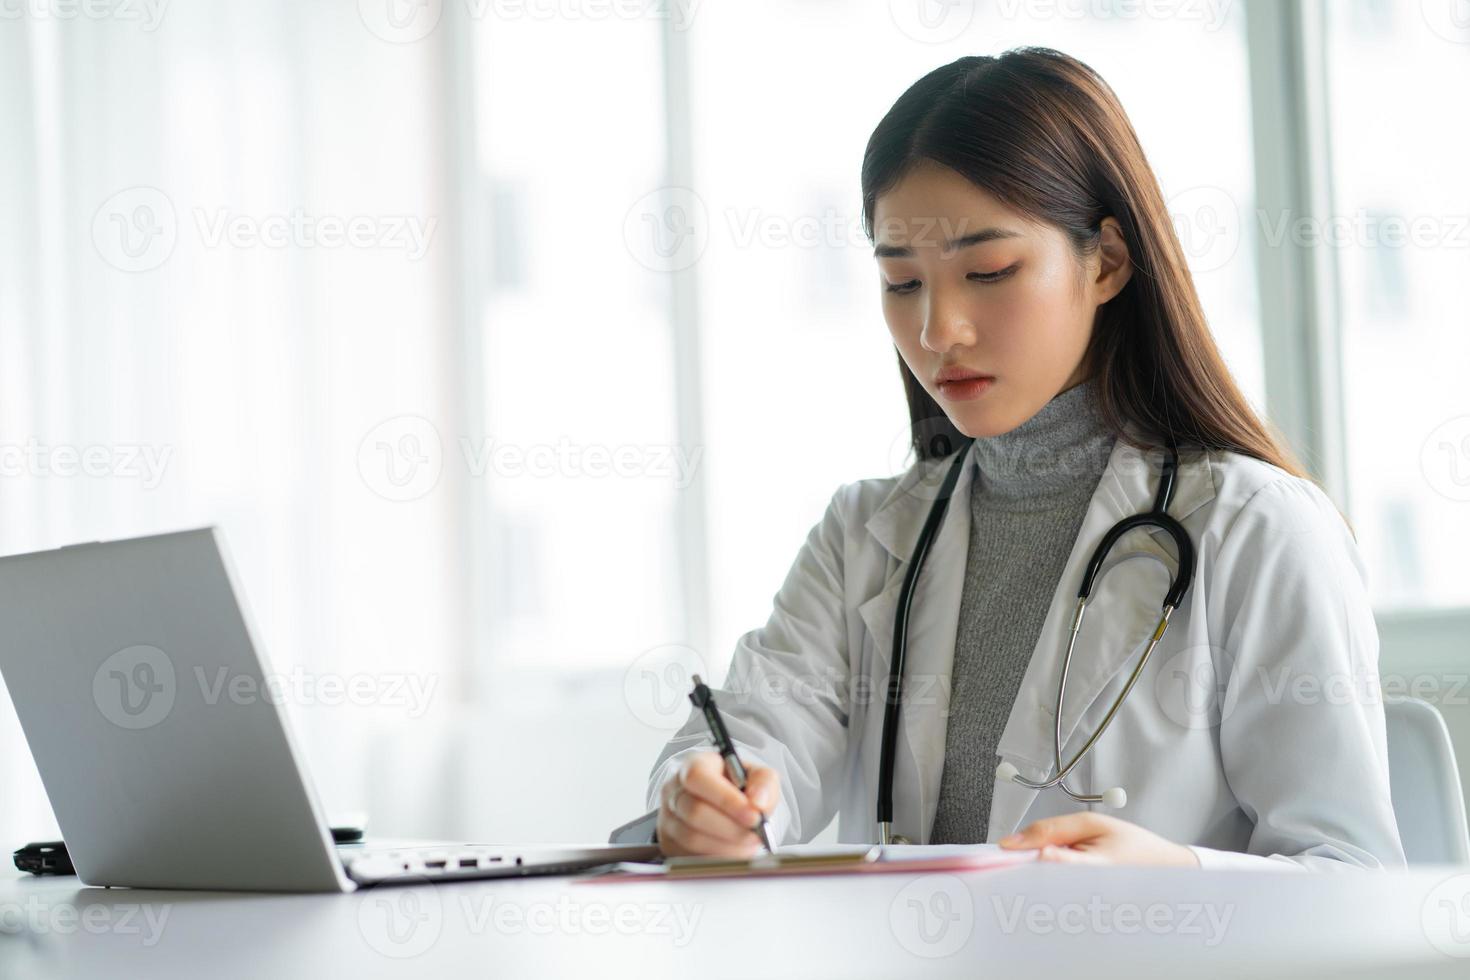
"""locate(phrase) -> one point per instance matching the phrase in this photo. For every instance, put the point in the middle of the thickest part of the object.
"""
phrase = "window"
(579, 464)
(1400, 232)
(802, 377)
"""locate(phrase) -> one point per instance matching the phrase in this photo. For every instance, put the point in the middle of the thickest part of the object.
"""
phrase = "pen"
(733, 766)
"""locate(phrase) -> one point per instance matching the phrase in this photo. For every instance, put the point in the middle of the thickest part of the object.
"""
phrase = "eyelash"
(984, 277)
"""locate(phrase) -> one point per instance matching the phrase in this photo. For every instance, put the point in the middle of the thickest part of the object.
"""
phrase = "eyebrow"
(984, 235)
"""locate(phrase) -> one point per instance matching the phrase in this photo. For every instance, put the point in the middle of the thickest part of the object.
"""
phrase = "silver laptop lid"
(113, 654)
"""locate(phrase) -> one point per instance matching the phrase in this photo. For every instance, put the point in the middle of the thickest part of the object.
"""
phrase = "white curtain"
(225, 295)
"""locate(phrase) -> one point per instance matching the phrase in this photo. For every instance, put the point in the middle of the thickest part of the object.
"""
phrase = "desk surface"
(1029, 920)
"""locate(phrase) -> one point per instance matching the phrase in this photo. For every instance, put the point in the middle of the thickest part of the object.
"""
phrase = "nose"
(947, 320)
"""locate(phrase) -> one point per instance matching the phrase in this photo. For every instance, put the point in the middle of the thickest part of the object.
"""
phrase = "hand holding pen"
(716, 805)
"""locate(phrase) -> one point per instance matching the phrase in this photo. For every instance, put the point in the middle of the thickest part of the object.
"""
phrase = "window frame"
(1300, 327)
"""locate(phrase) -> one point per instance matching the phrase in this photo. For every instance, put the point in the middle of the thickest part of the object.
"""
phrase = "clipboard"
(873, 859)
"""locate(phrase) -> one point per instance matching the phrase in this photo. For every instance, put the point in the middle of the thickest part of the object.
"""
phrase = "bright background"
(541, 437)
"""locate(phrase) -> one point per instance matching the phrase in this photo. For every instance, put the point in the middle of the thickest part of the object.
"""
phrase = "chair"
(1425, 784)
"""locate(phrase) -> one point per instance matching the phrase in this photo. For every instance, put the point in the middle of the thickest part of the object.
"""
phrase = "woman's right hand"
(701, 812)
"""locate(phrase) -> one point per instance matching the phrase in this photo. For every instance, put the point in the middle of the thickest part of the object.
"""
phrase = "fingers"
(705, 817)
(676, 837)
(1067, 829)
(1067, 855)
(701, 811)
(704, 777)
(762, 788)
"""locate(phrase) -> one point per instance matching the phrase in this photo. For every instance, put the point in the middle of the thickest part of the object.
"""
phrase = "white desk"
(1032, 920)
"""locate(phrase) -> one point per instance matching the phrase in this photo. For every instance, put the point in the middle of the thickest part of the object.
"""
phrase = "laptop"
(116, 655)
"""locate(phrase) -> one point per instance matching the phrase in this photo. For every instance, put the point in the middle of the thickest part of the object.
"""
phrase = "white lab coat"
(1255, 734)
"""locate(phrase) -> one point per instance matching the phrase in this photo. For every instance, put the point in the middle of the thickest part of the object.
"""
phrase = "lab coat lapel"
(933, 625)
(1111, 635)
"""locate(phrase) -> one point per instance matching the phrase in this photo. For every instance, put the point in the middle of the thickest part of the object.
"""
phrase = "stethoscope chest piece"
(887, 836)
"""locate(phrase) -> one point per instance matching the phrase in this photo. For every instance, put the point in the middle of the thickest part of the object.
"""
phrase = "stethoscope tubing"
(1158, 517)
(894, 688)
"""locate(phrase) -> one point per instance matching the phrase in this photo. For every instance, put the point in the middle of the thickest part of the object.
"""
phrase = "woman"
(1052, 344)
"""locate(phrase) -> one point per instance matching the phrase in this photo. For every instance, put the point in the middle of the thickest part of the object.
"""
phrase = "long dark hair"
(1044, 134)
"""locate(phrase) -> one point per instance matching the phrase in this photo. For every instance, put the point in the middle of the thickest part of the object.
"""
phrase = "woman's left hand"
(1096, 838)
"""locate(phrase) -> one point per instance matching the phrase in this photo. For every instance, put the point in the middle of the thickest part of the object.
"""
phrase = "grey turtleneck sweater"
(1030, 493)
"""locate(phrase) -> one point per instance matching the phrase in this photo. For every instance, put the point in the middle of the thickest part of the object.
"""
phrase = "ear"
(1116, 266)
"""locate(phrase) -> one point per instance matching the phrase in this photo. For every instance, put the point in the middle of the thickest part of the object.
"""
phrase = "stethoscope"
(1158, 517)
